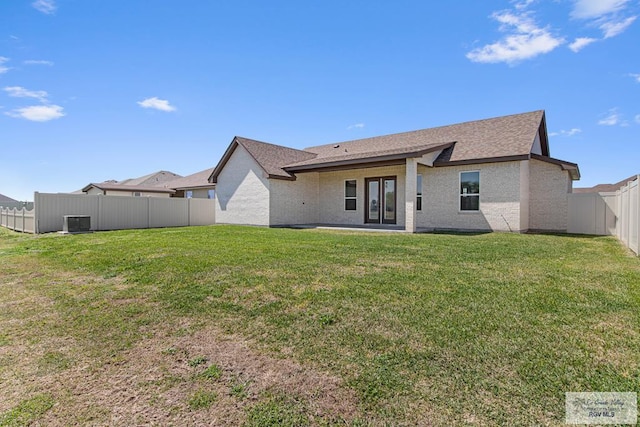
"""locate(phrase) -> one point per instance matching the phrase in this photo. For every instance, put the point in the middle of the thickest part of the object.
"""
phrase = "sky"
(117, 89)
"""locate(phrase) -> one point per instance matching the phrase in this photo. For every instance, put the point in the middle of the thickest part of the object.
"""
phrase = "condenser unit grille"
(76, 224)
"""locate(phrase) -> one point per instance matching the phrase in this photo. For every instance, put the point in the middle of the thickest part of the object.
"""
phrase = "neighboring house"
(152, 185)
(152, 180)
(606, 188)
(195, 186)
(110, 189)
(493, 174)
(6, 199)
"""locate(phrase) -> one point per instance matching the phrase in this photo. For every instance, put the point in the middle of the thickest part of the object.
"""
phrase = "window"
(469, 191)
(136, 194)
(350, 195)
(211, 194)
(419, 193)
(188, 194)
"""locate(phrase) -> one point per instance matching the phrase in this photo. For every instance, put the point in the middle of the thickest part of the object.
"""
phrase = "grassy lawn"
(254, 326)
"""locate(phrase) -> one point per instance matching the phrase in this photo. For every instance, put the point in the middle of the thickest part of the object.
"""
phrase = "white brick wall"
(295, 202)
(331, 194)
(499, 198)
(549, 186)
(242, 191)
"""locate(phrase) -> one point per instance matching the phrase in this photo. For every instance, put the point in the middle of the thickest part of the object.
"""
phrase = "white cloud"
(156, 103)
(45, 6)
(590, 9)
(3, 61)
(612, 28)
(635, 76)
(20, 92)
(356, 126)
(570, 132)
(580, 43)
(38, 113)
(525, 41)
(523, 4)
(637, 119)
(613, 118)
(37, 62)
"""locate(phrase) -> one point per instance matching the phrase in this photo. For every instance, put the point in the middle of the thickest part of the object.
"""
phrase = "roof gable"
(270, 157)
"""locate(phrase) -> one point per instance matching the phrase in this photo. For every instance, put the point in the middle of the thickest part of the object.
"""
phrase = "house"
(492, 174)
(151, 185)
(110, 189)
(196, 185)
(6, 199)
(605, 188)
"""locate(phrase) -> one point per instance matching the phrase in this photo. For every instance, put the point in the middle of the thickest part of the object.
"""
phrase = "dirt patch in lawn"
(180, 373)
(159, 380)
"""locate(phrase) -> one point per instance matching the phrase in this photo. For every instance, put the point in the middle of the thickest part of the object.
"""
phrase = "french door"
(381, 200)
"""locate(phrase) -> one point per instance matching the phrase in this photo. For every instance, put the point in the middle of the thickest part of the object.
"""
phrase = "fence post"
(36, 212)
(637, 218)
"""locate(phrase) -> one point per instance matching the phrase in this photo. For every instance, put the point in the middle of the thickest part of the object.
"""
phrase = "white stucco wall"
(242, 191)
(331, 194)
(549, 186)
(499, 198)
(93, 191)
(294, 202)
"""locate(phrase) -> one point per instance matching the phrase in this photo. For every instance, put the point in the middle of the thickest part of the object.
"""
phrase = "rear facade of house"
(487, 175)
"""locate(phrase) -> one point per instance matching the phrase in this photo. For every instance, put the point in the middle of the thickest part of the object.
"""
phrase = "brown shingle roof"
(496, 139)
(153, 179)
(605, 188)
(4, 198)
(132, 188)
(490, 138)
(196, 180)
(272, 158)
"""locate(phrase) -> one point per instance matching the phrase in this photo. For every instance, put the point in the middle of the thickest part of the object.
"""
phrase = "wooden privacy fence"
(112, 212)
(18, 219)
(608, 214)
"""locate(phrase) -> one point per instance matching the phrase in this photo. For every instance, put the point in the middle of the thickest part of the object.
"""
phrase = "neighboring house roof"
(196, 180)
(153, 179)
(490, 140)
(606, 188)
(4, 198)
(105, 186)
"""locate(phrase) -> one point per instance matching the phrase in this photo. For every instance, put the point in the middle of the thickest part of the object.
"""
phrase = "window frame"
(419, 181)
(461, 194)
(349, 198)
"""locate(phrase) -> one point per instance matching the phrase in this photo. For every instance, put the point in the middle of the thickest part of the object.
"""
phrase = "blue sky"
(97, 90)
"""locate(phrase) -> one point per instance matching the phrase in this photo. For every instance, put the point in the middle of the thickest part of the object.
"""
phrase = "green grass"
(27, 411)
(487, 329)
(202, 399)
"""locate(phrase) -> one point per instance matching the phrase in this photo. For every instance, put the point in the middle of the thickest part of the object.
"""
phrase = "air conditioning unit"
(76, 224)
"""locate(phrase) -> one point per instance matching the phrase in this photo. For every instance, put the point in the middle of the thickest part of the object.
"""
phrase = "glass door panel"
(389, 201)
(373, 201)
